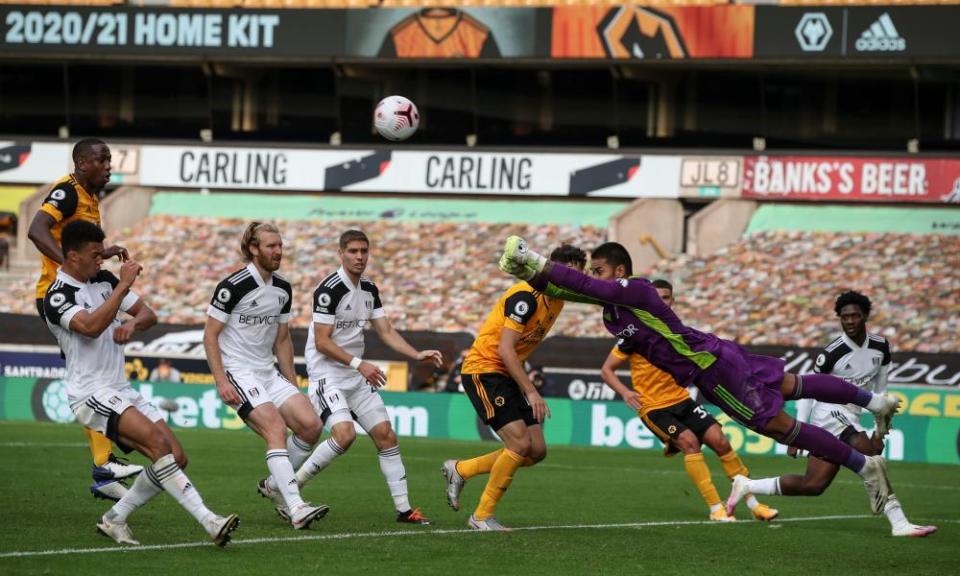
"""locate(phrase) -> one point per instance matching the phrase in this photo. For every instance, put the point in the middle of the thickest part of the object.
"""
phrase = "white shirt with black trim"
(251, 311)
(93, 364)
(347, 307)
(863, 366)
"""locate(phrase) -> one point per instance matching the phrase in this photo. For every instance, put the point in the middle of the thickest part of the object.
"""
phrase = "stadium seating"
(773, 287)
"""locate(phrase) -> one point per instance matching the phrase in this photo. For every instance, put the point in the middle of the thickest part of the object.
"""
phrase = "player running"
(680, 423)
(247, 321)
(862, 359)
(81, 309)
(748, 387)
(503, 395)
(343, 386)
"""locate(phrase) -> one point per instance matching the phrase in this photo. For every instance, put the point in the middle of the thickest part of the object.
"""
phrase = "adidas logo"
(881, 36)
(349, 307)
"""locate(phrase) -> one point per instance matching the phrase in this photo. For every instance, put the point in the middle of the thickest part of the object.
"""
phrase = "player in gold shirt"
(502, 394)
(683, 425)
(76, 196)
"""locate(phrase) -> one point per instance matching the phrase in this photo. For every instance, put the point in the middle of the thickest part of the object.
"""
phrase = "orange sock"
(100, 447)
(467, 469)
(733, 465)
(501, 475)
(697, 470)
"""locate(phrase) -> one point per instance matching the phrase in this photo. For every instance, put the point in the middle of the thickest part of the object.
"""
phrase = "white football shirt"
(338, 302)
(252, 311)
(93, 364)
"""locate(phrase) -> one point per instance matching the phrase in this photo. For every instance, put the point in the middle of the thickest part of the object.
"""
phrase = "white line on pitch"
(388, 534)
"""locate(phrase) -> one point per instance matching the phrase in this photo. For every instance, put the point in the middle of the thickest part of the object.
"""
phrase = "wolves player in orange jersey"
(502, 394)
(680, 423)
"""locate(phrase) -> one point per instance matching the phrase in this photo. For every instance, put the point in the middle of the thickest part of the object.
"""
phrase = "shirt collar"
(252, 268)
(853, 345)
(68, 279)
(346, 279)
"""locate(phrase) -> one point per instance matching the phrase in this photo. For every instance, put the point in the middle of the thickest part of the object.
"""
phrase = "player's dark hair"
(352, 236)
(84, 148)
(251, 237)
(78, 233)
(855, 298)
(570, 255)
(615, 255)
(661, 283)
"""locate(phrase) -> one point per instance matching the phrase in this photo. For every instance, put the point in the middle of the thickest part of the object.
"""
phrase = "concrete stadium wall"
(718, 225)
(661, 220)
(124, 207)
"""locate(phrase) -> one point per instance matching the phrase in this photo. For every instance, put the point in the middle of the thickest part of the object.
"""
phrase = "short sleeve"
(326, 299)
(225, 298)
(518, 309)
(60, 305)
(61, 202)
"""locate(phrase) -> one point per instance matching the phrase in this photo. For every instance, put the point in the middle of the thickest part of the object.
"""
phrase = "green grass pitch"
(582, 511)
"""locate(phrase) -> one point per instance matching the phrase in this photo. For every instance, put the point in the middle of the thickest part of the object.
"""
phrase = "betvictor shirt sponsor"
(881, 36)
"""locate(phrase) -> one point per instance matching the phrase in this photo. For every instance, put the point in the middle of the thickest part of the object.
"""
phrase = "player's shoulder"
(105, 277)
(63, 194)
(877, 342)
(236, 285)
(280, 282)
(368, 284)
(520, 288)
(332, 284)
(59, 286)
(832, 352)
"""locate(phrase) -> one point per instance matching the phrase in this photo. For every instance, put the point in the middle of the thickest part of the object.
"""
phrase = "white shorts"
(835, 418)
(101, 411)
(257, 387)
(344, 400)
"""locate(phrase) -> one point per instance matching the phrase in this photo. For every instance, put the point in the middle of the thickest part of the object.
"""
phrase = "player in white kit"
(247, 321)
(861, 358)
(81, 308)
(343, 386)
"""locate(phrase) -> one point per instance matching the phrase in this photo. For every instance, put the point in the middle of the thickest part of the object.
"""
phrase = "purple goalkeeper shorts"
(745, 386)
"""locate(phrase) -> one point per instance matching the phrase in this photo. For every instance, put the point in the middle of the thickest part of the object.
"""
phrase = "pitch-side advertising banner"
(852, 179)
(926, 430)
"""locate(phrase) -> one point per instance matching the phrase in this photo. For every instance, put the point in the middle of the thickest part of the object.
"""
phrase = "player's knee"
(157, 445)
(311, 432)
(521, 447)
(344, 435)
(387, 439)
(181, 459)
(687, 445)
(537, 454)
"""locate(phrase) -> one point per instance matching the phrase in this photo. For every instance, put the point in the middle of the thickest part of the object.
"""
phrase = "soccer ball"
(396, 118)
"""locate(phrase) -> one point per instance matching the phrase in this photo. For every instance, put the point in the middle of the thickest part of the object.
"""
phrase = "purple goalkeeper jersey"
(634, 312)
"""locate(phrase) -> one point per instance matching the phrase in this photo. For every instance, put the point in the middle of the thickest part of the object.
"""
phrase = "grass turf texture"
(572, 502)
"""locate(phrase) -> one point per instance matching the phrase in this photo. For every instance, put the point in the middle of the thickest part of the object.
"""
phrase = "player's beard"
(268, 263)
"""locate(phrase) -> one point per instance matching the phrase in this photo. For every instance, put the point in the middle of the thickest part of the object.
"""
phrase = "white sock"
(322, 457)
(392, 467)
(752, 501)
(142, 491)
(279, 464)
(715, 507)
(767, 486)
(166, 474)
(875, 403)
(298, 450)
(894, 512)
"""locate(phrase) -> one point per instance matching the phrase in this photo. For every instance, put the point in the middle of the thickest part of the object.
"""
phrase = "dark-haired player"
(502, 393)
(748, 387)
(863, 359)
(73, 197)
(81, 309)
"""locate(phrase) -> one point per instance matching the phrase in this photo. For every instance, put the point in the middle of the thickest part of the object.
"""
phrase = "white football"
(396, 118)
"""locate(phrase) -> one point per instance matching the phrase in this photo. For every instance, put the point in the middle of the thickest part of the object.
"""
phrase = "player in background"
(680, 423)
(247, 322)
(863, 359)
(76, 196)
(501, 392)
(748, 387)
(81, 309)
(343, 386)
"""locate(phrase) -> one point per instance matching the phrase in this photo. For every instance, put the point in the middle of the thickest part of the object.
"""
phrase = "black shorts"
(668, 423)
(497, 399)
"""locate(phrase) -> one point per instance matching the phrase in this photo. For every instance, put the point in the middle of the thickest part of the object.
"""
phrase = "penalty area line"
(397, 533)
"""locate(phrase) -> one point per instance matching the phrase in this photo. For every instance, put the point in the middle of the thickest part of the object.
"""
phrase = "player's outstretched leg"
(834, 390)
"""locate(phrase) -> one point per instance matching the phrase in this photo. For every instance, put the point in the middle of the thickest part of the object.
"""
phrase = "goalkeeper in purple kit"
(749, 388)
